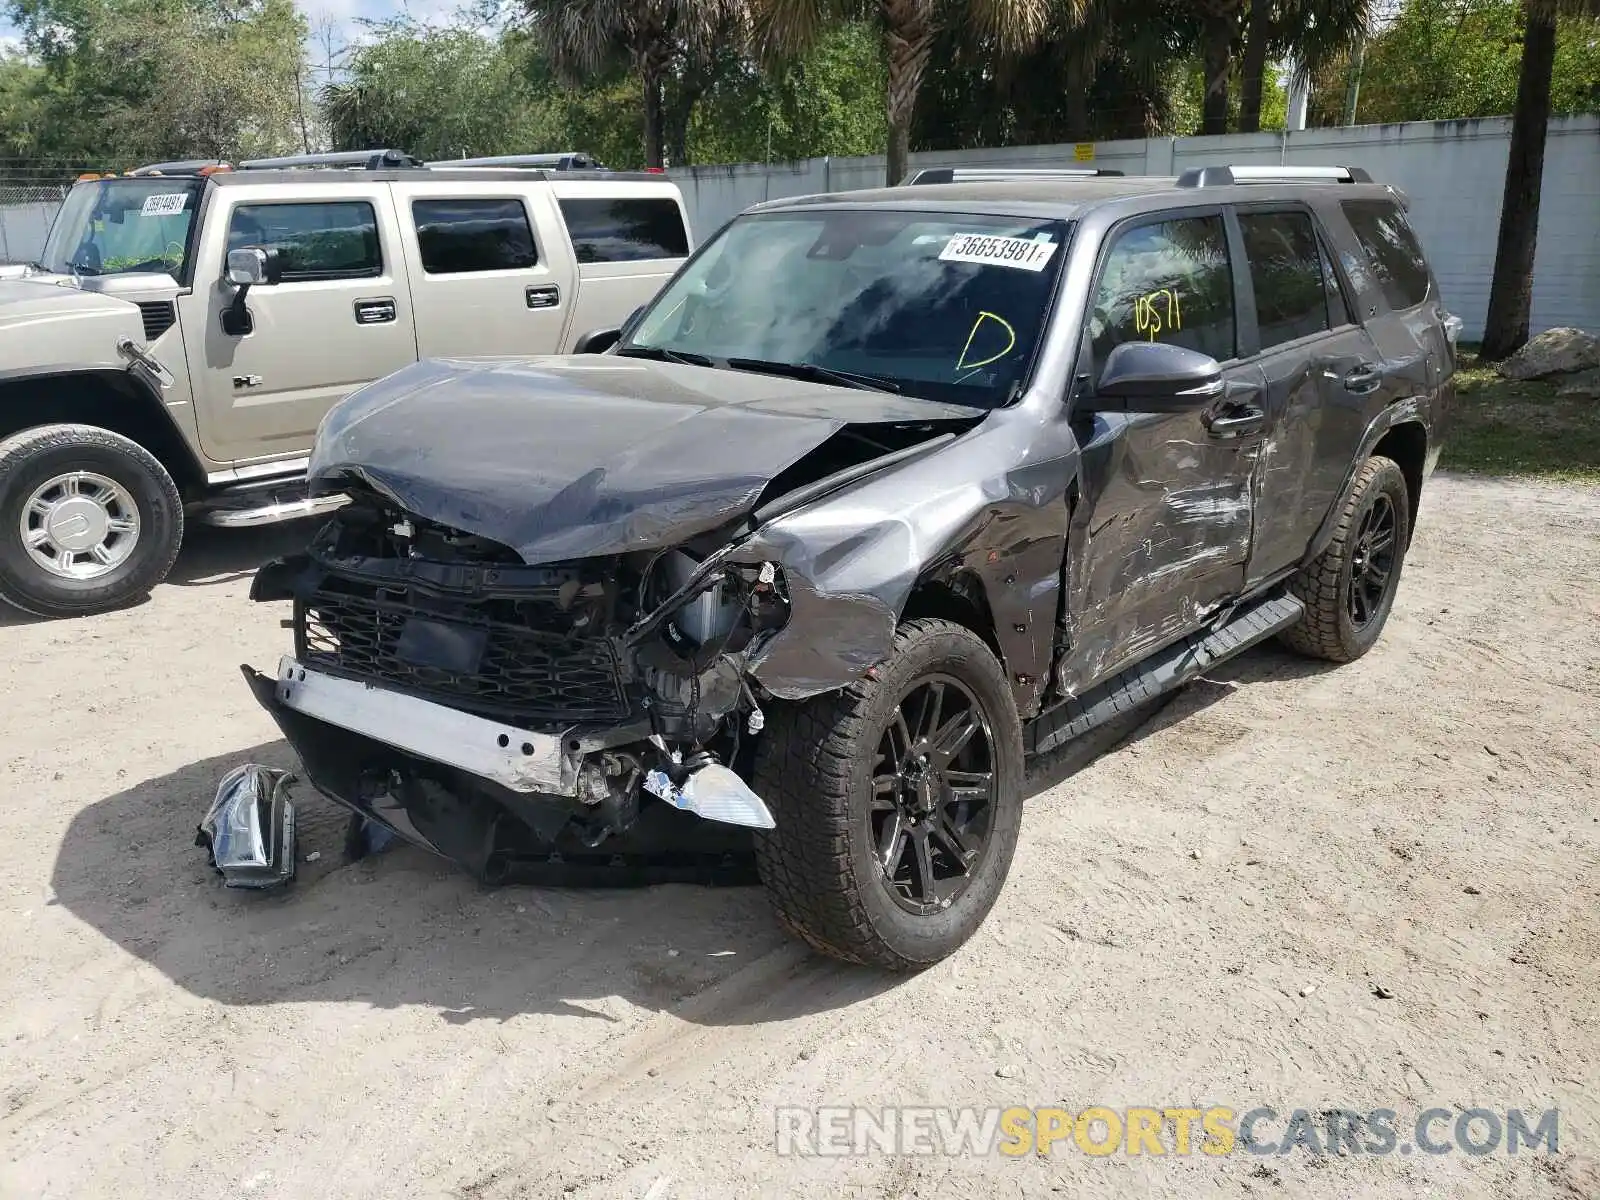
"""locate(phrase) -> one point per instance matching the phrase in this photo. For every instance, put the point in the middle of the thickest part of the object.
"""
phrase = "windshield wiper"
(817, 372)
(662, 354)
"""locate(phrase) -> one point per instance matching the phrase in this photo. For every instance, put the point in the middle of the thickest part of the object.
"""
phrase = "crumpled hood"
(577, 456)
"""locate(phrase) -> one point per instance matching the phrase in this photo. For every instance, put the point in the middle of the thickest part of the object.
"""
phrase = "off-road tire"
(1327, 631)
(28, 459)
(813, 767)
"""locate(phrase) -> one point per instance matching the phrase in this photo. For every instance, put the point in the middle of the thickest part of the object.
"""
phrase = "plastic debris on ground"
(249, 828)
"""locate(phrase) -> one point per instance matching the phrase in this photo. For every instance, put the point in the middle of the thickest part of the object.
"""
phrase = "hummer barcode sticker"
(165, 204)
(990, 250)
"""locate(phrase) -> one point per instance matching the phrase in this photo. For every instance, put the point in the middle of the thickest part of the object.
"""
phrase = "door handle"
(546, 295)
(375, 312)
(1368, 377)
(1236, 424)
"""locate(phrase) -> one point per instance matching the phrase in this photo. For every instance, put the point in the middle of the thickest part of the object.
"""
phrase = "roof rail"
(370, 160)
(1202, 177)
(188, 166)
(570, 160)
(999, 174)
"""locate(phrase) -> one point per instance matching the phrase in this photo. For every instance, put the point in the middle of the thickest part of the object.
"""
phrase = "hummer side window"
(1286, 268)
(624, 228)
(459, 236)
(1167, 282)
(337, 240)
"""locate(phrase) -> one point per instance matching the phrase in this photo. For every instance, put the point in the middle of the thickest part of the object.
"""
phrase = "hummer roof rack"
(998, 174)
(188, 166)
(369, 160)
(1201, 177)
(569, 160)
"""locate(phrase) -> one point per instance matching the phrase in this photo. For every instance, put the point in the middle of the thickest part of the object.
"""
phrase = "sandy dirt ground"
(1207, 915)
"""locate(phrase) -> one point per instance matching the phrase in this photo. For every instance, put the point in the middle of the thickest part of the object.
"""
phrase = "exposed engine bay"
(634, 666)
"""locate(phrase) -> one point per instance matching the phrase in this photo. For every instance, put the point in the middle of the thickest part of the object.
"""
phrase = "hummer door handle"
(375, 312)
(543, 296)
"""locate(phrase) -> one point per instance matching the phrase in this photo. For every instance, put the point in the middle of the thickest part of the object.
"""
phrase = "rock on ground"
(1554, 352)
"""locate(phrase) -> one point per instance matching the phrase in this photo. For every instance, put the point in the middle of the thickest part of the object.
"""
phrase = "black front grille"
(159, 316)
(522, 672)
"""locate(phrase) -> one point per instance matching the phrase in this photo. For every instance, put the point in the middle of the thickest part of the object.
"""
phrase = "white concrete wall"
(1453, 171)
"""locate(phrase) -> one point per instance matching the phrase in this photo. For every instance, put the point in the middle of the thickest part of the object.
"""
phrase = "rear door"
(339, 318)
(1168, 498)
(491, 274)
(1320, 391)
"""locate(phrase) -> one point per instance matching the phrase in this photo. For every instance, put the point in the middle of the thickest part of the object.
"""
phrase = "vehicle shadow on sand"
(403, 928)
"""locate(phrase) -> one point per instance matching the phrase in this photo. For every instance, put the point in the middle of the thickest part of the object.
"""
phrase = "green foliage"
(828, 101)
(122, 81)
(444, 93)
(1451, 59)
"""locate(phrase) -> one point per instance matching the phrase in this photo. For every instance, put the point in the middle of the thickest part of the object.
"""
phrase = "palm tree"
(1505, 329)
(909, 28)
(1313, 33)
(655, 37)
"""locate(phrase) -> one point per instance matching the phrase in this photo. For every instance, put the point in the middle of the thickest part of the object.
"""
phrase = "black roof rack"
(568, 160)
(999, 174)
(1202, 177)
(369, 160)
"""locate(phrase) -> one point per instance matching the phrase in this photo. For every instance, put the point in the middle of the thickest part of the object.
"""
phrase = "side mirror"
(597, 341)
(247, 267)
(1154, 377)
(252, 265)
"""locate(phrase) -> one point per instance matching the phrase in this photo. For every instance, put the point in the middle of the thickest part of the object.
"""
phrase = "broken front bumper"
(474, 790)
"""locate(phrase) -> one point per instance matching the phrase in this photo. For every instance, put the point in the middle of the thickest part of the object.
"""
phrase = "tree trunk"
(1217, 41)
(1076, 101)
(908, 36)
(1511, 293)
(654, 115)
(1253, 66)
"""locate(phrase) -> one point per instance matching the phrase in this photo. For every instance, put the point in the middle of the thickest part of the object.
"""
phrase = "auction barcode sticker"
(165, 204)
(991, 250)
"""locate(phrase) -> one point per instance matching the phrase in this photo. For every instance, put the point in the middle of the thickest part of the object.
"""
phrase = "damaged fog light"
(714, 793)
(249, 828)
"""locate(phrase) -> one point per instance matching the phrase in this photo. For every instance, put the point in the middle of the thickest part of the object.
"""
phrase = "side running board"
(1163, 671)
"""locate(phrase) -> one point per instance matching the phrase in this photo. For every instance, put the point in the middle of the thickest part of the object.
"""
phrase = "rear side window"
(1392, 250)
(459, 236)
(625, 228)
(1168, 282)
(337, 240)
(1287, 270)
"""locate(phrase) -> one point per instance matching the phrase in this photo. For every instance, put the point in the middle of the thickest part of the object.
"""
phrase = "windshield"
(940, 306)
(122, 226)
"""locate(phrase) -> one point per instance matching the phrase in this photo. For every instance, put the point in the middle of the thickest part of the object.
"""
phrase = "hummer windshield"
(942, 306)
(124, 226)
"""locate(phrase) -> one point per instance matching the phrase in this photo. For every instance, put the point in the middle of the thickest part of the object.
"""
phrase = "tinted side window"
(625, 229)
(457, 236)
(1168, 282)
(1286, 269)
(314, 241)
(1392, 250)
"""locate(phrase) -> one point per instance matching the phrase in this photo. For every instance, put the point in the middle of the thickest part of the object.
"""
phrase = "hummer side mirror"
(248, 266)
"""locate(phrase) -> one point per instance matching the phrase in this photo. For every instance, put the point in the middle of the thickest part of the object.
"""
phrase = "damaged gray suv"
(883, 495)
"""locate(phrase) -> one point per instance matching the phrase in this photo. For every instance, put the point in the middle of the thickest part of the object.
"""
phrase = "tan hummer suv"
(188, 324)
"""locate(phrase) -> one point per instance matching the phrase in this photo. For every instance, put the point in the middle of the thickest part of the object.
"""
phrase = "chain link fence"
(31, 190)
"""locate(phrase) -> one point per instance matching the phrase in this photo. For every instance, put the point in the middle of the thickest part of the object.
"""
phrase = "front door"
(1163, 529)
(339, 318)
